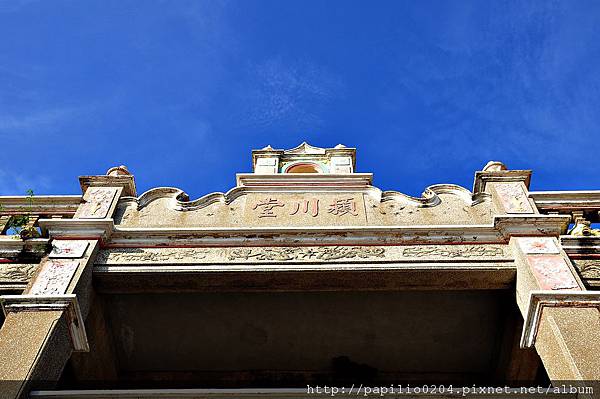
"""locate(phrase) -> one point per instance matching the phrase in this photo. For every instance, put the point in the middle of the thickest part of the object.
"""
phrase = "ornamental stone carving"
(17, 273)
(588, 268)
(308, 253)
(454, 251)
(513, 198)
(150, 255)
(538, 245)
(312, 254)
(54, 278)
(552, 272)
(98, 201)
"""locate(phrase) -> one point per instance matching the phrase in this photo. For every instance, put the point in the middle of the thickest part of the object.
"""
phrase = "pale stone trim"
(566, 201)
(65, 302)
(42, 204)
(538, 300)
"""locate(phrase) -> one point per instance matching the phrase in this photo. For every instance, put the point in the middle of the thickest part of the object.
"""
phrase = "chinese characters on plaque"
(272, 207)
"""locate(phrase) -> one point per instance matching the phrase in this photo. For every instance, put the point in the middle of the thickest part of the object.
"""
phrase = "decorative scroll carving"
(588, 268)
(552, 272)
(54, 278)
(149, 255)
(454, 251)
(97, 202)
(12, 272)
(68, 249)
(316, 253)
(241, 255)
(513, 198)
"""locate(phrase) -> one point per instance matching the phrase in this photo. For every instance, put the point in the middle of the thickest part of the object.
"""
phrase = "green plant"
(20, 223)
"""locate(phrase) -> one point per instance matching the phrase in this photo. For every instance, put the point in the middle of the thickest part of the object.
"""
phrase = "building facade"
(303, 277)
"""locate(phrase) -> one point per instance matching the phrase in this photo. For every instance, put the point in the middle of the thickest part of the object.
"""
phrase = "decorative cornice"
(498, 232)
(13, 246)
(484, 177)
(584, 245)
(40, 204)
(78, 228)
(311, 181)
(566, 201)
(125, 181)
(531, 225)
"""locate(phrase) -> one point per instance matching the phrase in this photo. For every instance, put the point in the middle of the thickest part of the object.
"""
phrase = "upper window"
(304, 168)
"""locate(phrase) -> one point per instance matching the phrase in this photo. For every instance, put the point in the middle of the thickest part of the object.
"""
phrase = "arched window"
(304, 168)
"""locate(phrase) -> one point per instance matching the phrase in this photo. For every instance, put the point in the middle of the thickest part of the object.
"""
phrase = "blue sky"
(181, 91)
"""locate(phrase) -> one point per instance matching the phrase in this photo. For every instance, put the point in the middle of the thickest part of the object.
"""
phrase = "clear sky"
(181, 91)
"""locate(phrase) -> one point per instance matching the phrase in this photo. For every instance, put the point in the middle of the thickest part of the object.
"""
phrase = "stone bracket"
(538, 300)
(40, 303)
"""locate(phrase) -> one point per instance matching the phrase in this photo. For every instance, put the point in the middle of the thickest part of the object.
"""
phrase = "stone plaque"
(538, 245)
(552, 272)
(54, 278)
(68, 248)
(513, 198)
(293, 209)
(98, 201)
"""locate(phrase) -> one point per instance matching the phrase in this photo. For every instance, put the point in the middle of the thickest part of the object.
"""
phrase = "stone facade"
(120, 286)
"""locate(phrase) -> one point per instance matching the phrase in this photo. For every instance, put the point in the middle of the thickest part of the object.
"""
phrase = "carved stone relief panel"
(513, 198)
(98, 201)
(17, 273)
(68, 248)
(308, 254)
(552, 272)
(54, 277)
(588, 268)
(538, 245)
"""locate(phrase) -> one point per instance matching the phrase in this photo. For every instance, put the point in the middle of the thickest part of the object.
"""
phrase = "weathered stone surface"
(97, 202)
(16, 272)
(310, 254)
(68, 248)
(316, 200)
(588, 268)
(54, 277)
(513, 197)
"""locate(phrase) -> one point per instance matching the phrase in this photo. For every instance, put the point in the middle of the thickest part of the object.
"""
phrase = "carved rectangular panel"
(513, 198)
(54, 278)
(293, 209)
(17, 272)
(97, 203)
(538, 245)
(552, 272)
(68, 248)
(312, 254)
